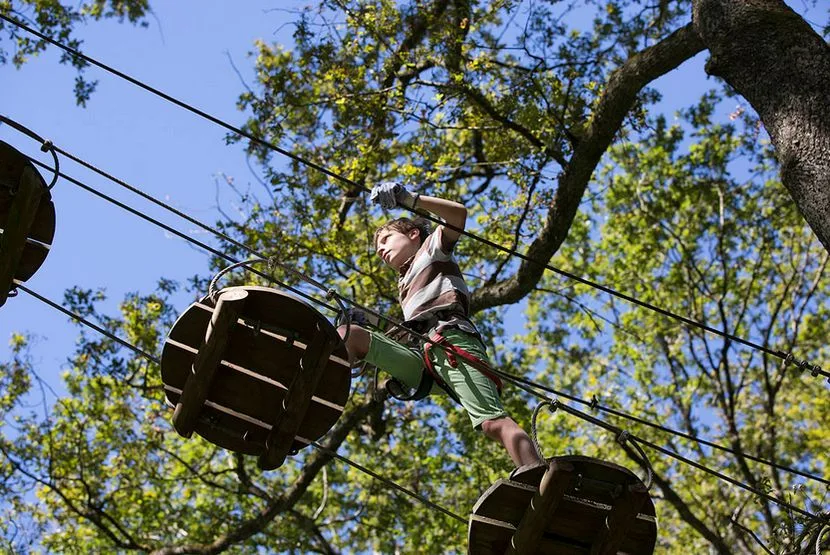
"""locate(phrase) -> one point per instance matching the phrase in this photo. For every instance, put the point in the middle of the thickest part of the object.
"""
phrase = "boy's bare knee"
(493, 427)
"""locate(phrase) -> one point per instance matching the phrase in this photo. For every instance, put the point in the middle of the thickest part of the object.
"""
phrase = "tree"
(545, 125)
(58, 21)
(774, 59)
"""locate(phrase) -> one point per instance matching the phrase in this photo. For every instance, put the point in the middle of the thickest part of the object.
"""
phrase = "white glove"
(391, 194)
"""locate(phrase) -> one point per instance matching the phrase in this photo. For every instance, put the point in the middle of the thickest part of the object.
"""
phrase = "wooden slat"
(262, 352)
(505, 500)
(257, 376)
(279, 335)
(620, 520)
(197, 386)
(251, 394)
(578, 520)
(556, 480)
(13, 241)
(488, 536)
(12, 164)
(298, 398)
(231, 429)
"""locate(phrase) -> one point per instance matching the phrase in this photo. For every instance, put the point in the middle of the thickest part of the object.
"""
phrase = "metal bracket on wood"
(197, 386)
(298, 398)
(13, 240)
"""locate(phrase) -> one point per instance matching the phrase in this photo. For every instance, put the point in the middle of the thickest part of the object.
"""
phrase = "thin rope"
(752, 535)
(594, 404)
(519, 381)
(787, 357)
(680, 458)
(157, 361)
(622, 437)
(194, 221)
(84, 321)
(186, 237)
(391, 484)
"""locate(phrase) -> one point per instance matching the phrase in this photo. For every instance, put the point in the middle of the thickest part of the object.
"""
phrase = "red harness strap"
(452, 351)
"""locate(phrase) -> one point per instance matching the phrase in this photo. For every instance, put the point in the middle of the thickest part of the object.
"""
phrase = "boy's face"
(395, 247)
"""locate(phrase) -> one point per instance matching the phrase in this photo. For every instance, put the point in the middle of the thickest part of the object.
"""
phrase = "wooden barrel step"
(570, 505)
(278, 356)
(27, 219)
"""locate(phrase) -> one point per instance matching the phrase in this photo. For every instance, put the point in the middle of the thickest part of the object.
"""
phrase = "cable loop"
(623, 437)
(212, 287)
(331, 293)
(649, 471)
(820, 534)
(45, 145)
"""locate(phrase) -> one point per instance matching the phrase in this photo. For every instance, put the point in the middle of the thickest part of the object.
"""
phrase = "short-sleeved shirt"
(432, 288)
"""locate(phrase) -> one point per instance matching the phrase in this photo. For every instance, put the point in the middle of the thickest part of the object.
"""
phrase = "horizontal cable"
(519, 381)
(390, 483)
(623, 436)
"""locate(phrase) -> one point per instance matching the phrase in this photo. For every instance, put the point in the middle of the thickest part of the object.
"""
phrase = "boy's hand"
(391, 194)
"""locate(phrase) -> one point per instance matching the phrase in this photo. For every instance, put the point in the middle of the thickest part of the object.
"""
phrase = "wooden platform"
(27, 219)
(258, 391)
(585, 506)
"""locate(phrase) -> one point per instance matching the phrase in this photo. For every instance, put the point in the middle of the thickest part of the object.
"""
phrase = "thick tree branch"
(619, 96)
(290, 497)
(775, 60)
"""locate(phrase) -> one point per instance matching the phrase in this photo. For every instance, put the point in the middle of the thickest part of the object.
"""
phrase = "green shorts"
(478, 394)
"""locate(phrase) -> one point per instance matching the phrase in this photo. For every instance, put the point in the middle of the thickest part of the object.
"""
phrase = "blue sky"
(172, 154)
(164, 150)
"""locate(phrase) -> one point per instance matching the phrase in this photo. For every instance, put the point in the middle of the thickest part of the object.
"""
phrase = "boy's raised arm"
(392, 194)
(454, 213)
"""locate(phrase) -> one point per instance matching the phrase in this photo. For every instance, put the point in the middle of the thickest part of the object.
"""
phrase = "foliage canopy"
(539, 117)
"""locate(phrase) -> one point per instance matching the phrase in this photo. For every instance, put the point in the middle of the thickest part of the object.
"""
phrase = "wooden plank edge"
(298, 344)
(239, 415)
(255, 375)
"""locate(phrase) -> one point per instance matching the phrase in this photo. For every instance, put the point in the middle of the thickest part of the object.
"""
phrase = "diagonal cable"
(155, 360)
(787, 357)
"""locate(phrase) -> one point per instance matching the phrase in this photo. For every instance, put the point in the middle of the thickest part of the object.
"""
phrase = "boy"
(435, 299)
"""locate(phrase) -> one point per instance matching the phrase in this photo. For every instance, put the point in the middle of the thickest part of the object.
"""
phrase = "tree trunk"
(774, 59)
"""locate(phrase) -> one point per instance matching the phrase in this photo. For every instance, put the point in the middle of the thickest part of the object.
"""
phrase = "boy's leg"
(388, 355)
(480, 398)
(514, 439)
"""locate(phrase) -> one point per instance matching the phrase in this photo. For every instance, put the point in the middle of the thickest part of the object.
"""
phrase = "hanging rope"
(787, 357)
(622, 437)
